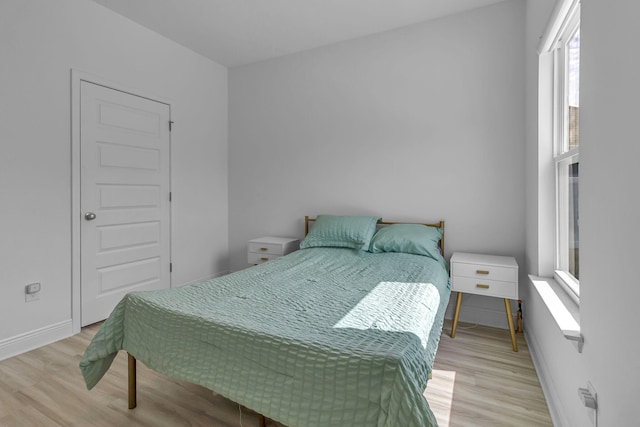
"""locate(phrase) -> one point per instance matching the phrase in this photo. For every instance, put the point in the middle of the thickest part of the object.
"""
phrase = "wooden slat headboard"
(440, 225)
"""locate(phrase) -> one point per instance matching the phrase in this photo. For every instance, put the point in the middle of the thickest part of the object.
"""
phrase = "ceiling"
(238, 32)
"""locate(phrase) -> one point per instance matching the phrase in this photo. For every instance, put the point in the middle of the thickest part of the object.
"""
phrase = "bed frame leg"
(132, 382)
(262, 420)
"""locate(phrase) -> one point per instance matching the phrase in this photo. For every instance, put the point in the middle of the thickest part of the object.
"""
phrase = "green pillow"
(415, 239)
(341, 232)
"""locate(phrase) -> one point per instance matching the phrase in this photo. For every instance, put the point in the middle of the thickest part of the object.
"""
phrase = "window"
(566, 143)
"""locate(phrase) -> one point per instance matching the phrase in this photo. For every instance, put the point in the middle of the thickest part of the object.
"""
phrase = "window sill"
(565, 311)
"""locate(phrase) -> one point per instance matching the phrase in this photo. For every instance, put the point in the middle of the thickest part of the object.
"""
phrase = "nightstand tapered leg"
(507, 306)
(133, 402)
(455, 315)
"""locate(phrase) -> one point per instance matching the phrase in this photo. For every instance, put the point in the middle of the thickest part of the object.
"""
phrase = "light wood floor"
(477, 381)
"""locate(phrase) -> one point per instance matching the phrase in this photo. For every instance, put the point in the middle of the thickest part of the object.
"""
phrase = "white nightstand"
(267, 248)
(493, 276)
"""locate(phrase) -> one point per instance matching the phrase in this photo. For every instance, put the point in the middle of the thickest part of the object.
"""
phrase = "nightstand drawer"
(255, 258)
(481, 286)
(484, 272)
(266, 248)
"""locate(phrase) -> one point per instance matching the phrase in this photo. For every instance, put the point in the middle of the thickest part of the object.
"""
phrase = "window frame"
(563, 156)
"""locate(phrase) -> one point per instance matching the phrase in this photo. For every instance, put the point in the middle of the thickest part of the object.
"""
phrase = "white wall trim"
(557, 22)
(564, 310)
(546, 382)
(77, 77)
(28, 341)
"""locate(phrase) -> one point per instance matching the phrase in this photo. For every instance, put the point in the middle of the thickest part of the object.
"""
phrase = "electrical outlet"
(593, 413)
(589, 399)
(32, 292)
(31, 297)
(32, 288)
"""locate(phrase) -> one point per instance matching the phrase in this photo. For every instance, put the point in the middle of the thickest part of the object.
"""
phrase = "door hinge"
(170, 267)
(169, 195)
(170, 125)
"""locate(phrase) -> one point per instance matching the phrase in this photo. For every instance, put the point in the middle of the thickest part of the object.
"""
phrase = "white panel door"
(124, 197)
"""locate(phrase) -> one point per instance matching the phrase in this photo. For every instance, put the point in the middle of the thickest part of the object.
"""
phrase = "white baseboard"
(31, 340)
(548, 387)
(481, 316)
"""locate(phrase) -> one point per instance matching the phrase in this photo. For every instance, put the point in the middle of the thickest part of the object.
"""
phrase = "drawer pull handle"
(264, 259)
(482, 271)
(264, 249)
(481, 286)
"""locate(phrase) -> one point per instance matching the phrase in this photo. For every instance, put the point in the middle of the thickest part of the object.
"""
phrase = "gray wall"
(609, 229)
(609, 206)
(40, 41)
(421, 123)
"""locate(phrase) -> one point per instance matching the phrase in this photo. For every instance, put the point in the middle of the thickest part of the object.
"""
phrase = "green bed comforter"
(320, 337)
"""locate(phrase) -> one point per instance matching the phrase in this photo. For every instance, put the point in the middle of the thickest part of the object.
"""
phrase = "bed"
(342, 332)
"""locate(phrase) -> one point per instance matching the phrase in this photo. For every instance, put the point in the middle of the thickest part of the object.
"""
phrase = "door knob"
(89, 216)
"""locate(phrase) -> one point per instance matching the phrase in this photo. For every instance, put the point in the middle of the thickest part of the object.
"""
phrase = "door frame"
(78, 76)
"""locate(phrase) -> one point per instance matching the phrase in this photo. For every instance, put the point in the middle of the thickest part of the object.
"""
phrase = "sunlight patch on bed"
(396, 307)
